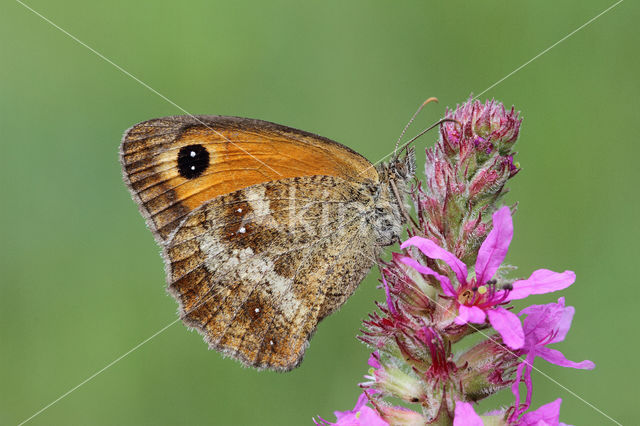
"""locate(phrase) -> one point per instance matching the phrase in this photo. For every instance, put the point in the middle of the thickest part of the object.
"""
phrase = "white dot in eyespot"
(242, 230)
(193, 153)
(271, 342)
(257, 310)
(193, 167)
(239, 210)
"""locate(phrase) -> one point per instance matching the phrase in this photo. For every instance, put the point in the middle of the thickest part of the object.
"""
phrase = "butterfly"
(264, 229)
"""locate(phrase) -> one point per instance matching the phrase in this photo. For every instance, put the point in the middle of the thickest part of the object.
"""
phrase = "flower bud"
(487, 126)
(388, 377)
(486, 368)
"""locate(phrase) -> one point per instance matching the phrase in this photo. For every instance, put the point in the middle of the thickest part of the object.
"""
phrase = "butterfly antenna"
(413, 117)
(444, 120)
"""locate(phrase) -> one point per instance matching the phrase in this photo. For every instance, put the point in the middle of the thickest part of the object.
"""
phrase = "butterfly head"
(405, 168)
(401, 169)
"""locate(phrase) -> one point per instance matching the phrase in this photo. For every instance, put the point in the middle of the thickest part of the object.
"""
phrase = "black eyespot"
(193, 160)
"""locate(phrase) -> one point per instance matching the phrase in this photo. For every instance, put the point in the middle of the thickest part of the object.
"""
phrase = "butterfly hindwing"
(255, 270)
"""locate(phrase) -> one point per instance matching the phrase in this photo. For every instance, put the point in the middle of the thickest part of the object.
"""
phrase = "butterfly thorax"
(387, 217)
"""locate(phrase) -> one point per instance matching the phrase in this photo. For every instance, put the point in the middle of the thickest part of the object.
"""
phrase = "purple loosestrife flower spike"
(450, 275)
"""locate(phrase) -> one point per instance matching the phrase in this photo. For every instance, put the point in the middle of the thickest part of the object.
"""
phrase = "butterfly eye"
(193, 160)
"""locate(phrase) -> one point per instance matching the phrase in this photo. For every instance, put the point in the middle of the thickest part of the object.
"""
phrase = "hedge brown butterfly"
(265, 230)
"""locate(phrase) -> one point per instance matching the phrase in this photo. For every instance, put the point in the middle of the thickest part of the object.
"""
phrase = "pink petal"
(515, 386)
(556, 357)
(540, 282)
(447, 288)
(465, 415)
(544, 322)
(470, 314)
(528, 382)
(432, 250)
(535, 310)
(523, 371)
(494, 248)
(508, 325)
(564, 324)
(548, 414)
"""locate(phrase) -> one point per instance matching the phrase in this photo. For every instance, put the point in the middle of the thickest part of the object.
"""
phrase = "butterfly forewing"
(255, 270)
(173, 165)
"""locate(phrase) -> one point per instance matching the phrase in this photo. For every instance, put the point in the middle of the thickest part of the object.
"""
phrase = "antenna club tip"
(431, 99)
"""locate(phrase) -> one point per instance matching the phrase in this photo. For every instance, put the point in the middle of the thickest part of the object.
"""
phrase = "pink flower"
(479, 297)
(547, 415)
(361, 415)
(544, 324)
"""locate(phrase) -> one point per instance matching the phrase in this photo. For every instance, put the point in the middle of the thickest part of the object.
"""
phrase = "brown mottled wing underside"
(255, 270)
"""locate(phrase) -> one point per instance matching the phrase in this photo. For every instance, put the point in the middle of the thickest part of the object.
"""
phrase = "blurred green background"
(82, 281)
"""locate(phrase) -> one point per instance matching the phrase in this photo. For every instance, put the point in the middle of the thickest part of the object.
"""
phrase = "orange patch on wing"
(255, 157)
